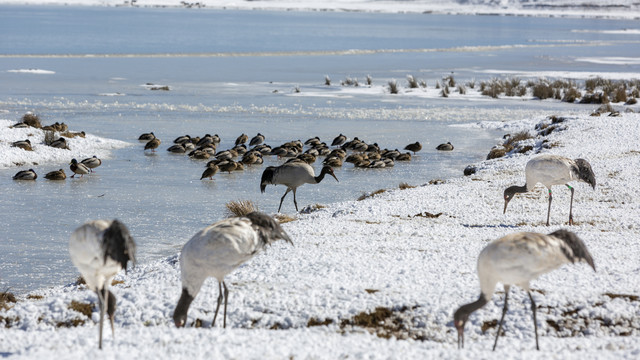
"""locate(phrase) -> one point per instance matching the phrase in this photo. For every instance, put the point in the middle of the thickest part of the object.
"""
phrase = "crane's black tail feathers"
(119, 245)
(267, 177)
(578, 250)
(585, 173)
(268, 229)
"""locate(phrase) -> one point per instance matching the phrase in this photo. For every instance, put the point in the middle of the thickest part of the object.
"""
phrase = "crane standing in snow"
(100, 249)
(293, 174)
(552, 170)
(516, 259)
(219, 249)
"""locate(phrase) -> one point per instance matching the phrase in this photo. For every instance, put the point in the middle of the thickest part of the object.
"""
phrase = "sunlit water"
(229, 77)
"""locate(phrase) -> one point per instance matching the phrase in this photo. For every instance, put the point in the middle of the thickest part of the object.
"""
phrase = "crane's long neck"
(180, 313)
(515, 189)
(469, 308)
(320, 177)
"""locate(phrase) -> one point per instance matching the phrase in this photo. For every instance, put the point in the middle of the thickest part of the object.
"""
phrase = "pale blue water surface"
(234, 72)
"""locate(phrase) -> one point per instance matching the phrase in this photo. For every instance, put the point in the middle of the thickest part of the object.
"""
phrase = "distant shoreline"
(622, 10)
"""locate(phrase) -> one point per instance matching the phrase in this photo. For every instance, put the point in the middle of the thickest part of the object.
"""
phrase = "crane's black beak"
(506, 202)
(334, 176)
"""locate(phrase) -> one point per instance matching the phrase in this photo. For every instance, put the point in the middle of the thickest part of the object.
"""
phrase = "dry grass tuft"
(488, 325)
(80, 281)
(6, 297)
(32, 120)
(283, 219)
(366, 196)
(386, 323)
(317, 322)
(9, 321)
(393, 86)
(405, 186)
(312, 208)
(49, 137)
(240, 207)
(517, 137)
(413, 82)
(83, 308)
(70, 323)
(116, 282)
(427, 214)
(35, 297)
(623, 296)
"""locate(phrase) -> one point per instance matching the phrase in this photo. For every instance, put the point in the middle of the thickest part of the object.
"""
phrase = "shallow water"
(216, 90)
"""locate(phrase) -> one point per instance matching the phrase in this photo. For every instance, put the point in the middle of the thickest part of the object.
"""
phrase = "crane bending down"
(219, 249)
(100, 249)
(552, 170)
(516, 259)
(292, 175)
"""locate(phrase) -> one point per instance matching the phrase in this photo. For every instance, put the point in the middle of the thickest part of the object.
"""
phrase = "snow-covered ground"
(623, 9)
(385, 253)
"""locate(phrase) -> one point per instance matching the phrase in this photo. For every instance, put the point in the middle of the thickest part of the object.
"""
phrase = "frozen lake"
(234, 72)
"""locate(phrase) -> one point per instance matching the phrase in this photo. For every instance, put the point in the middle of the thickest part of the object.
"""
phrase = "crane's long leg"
(282, 198)
(570, 206)
(218, 306)
(549, 210)
(226, 297)
(294, 199)
(102, 306)
(535, 320)
(504, 311)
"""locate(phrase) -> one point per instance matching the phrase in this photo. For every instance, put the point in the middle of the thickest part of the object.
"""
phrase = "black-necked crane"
(516, 259)
(256, 140)
(25, 175)
(152, 144)
(445, 147)
(100, 249)
(217, 250)
(415, 147)
(339, 140)
(292, 175)
(78, 168)
(92, 162)
(552, 170)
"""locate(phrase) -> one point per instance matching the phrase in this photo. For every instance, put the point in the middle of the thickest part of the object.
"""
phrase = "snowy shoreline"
(352, 257)
(603, 9)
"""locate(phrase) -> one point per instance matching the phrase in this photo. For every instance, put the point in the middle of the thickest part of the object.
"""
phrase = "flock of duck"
(296, 170)
(101, 248)
(83, 167)
(77, 168)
